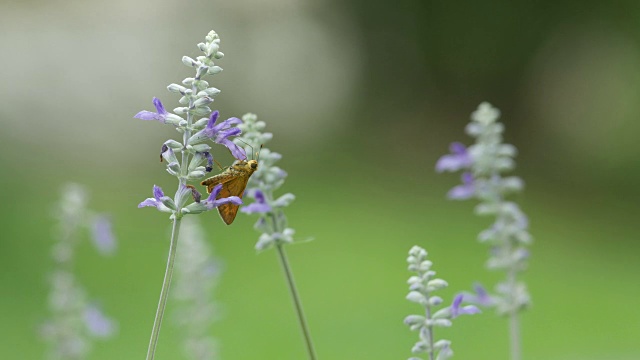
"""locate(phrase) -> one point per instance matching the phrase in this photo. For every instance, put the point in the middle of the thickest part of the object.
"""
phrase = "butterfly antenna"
(246, 144)
(217, 163)
(258, 153)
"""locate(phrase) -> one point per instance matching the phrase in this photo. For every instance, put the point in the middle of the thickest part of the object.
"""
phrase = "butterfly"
(234, 180)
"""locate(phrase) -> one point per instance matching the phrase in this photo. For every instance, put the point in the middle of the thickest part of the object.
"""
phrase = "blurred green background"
(362, 98)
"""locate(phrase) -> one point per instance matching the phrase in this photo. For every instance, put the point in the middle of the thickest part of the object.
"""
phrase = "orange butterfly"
(234, 180)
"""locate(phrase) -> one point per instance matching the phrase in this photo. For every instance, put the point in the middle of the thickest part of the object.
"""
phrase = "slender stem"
(164, 293)
(296, 301)
(430, 329)
(514, 323)
(514, 333)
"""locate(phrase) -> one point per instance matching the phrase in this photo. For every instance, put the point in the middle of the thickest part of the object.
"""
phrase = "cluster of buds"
(198, 124)
(262, 185)
(421, 288)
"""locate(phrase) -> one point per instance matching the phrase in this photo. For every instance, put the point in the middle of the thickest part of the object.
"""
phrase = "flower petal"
(103, 237)
(256, 207)
(236, 151)
(213, 118)
(214, 193)
(461, 192)
(149, 202)
(227, 124)
(457, 148)
(147, 115)
(159, 107)
(157, 192)
(226, 133)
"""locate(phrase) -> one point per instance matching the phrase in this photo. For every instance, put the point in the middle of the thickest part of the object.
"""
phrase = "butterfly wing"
(211, 182)
(232, 187)
(233, 184)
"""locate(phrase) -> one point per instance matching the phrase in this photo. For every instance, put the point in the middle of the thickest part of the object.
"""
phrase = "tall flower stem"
(428, 314)
(296, 300)
(164, 293)
(514, 321)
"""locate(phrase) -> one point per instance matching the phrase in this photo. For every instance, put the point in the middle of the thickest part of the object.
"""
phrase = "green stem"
(296, 301)
(164, 293)
(514, 323)
(430, 328)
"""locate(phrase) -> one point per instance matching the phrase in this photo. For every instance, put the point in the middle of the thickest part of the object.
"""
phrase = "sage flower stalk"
(484, 165)
(197, 274)
(272, 221)
(184, 159)
(75, 321)
(422, 285)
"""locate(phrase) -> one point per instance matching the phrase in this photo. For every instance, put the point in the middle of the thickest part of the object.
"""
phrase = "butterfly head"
(246, 166)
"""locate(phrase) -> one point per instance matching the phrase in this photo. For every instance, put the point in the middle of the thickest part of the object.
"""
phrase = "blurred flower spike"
(75, 321)
(484, 164)
(272, 222)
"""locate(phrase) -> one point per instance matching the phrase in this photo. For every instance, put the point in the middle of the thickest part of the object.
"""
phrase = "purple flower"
(159, 200)
(464, 191)
(209, 161)
(458, 159)
(258, 206)
(220, 134)
(481, 297)
(103, 236)
(160, 115)
(212, 202)
(456, 310)
(97, 323)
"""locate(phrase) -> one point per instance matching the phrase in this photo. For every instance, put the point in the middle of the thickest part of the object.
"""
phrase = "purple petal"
(214, 193)
(467, 178)
(469, 310)
(159, 107)
(97, 323)
(259, 196)
(461, 192)
(464, 191)
(457, 148)
(209, 158)
(256, 207)
(456, 310)
(157, 192)
(236, 151)
(212, 119)
(160, 115)
(458, 159)
(457, 301)
(147, 115)
(231, 199)
(227, 123)
(103, 237)
(224, 134)
(149, 202)
(455, 306)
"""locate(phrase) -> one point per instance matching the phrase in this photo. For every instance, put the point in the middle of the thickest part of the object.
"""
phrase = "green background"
(362, 98)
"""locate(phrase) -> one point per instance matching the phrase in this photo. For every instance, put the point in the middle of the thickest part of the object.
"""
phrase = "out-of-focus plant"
(272, 221)
(75, 320)
(484, 164)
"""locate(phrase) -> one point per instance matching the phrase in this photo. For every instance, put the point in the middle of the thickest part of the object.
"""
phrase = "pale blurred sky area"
(75, 72)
